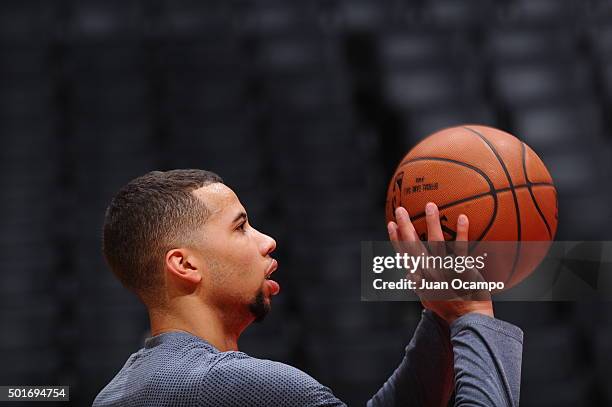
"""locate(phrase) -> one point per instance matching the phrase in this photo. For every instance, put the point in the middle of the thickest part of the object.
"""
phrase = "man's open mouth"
(271, 269)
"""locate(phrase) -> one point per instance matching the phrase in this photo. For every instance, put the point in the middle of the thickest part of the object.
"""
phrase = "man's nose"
(268, 244)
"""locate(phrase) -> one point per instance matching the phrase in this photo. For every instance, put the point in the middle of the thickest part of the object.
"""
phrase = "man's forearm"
(484, 362)
(488, 355)
(425, 375)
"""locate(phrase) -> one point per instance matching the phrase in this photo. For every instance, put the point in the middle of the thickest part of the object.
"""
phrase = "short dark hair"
(149, 216)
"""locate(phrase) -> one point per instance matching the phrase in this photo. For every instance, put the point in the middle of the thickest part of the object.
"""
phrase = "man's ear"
(183, 265)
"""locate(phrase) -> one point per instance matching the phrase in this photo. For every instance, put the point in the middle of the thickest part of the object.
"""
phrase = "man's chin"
(260, 306)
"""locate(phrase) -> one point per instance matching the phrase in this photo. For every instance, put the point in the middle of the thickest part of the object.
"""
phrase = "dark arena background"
(304, 108)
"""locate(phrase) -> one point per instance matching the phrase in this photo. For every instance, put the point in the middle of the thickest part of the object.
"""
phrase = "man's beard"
(259, 307)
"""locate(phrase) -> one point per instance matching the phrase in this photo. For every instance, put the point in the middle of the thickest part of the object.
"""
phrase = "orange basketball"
(489, 175)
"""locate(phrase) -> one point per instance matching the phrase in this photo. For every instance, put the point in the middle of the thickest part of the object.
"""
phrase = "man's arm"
(487, 364)
(425, 375)
(488, 355)
(487, 352)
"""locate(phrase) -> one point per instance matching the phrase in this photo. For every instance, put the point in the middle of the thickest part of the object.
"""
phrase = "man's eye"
(241, 226)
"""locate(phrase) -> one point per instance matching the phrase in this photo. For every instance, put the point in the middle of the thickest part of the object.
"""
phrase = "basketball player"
(183, 243)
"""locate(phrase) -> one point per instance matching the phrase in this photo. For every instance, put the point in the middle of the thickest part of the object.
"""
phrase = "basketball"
(489, 175)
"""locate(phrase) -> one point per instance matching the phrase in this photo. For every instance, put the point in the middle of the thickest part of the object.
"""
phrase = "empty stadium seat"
(464, 15)
(179, 18)
(359, 15)
(425, 122)
(96, 19)
(522, 84)
(430, 87)
(410, 48)
(530, 44)
(572, 126)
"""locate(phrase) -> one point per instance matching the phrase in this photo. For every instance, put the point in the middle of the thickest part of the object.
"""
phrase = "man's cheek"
(246, 271)
(218, 273)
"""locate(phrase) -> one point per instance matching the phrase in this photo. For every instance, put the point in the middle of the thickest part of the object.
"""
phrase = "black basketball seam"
(419, 215)
(479, 171)
(424, 158)
(503, 165)
(535, 203)
(516, 205)
(493, 192)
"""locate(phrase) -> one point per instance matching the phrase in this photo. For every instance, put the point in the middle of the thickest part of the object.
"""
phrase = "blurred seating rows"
(304, 109)
(37, 19)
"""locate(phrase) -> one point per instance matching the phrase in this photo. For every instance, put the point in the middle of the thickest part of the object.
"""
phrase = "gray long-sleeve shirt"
(180, 369)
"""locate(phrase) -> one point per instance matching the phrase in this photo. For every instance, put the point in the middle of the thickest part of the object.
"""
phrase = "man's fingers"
(405, 227)
(392, 229)
(461, 249)
(393, 236)
(432, 217)
(463, 225)
(409, 241)
(434, 230)
(461, 242)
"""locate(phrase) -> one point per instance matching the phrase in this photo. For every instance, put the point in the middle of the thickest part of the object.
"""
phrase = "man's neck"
(216, 329)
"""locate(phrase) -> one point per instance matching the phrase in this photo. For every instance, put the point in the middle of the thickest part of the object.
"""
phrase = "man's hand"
(403, 235)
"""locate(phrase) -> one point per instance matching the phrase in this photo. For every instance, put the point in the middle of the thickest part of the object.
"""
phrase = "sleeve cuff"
(472, 319)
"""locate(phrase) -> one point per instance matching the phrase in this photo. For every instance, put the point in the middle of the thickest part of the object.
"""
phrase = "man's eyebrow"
(241, 215)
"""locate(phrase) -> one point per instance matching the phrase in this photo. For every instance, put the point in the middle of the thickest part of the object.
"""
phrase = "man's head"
(183, 232)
